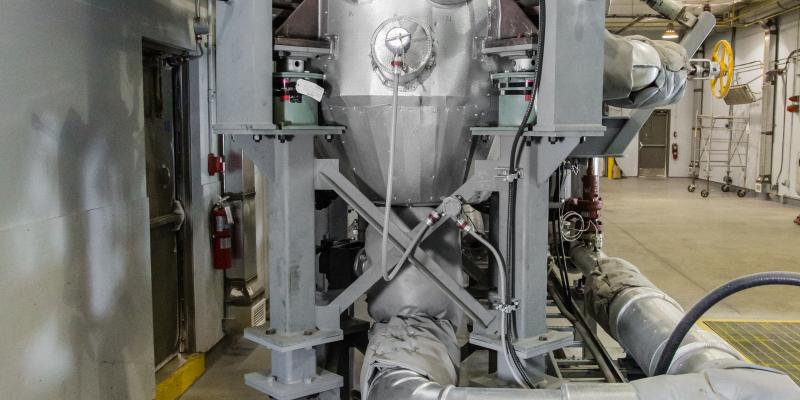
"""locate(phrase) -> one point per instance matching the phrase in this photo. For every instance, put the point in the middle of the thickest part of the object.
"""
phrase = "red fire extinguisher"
(221, 221)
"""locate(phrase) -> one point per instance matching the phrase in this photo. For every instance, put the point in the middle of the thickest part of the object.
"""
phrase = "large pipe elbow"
(415, 358)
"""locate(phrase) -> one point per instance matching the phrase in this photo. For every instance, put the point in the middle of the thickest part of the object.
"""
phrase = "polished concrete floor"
(688, 245)
(685, 244)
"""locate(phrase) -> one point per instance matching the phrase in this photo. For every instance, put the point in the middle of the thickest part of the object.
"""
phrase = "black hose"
(514, 159)
(710, 300)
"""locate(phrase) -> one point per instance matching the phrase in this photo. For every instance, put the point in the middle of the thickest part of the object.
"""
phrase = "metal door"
(654, 145)
(162, 83)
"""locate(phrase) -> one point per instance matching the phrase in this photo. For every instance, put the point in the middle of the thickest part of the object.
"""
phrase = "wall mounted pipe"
(763, 11)
(641, 317)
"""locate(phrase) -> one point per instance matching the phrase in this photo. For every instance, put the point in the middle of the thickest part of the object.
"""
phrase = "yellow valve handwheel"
(723, 54)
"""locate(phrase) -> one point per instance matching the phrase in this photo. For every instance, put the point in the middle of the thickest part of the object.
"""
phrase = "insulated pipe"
(405, 384)
(641, 317)
(674, 10)
(756, 12)
(731, 383)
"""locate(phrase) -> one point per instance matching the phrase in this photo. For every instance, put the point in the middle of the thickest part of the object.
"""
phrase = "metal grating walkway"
(774, 344)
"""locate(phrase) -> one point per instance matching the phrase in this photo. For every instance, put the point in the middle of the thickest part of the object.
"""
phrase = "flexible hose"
(710, 300)
(504, 336)
(390, 181)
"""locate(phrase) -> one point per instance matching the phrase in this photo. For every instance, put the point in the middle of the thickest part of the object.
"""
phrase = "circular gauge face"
(402, 45)
(398, 40)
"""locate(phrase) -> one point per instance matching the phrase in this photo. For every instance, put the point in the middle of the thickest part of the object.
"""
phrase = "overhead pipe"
(674, 10)
(755, 13)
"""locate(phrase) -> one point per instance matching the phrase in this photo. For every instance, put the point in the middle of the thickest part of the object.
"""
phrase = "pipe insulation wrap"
(416, 358)
(641, 317)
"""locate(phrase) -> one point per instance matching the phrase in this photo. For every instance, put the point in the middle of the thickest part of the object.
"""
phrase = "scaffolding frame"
(720, 142)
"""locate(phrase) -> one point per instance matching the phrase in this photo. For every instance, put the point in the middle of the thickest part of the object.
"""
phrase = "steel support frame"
(329, 178)
(288, 164)
(540, 159)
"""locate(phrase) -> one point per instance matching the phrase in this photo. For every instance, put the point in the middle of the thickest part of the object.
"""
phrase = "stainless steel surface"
(74, 226)
(436, 111)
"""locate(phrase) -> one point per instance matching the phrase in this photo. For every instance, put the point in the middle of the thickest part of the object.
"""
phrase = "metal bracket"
(264, 382)
(529, 347)
(504, 175)
(507, 308)
(269, 130)
(298, 341)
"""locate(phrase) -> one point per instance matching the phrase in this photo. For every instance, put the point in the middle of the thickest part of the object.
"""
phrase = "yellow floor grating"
(773, 344)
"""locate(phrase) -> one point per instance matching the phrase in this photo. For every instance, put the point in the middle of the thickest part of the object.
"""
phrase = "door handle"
(177, 218)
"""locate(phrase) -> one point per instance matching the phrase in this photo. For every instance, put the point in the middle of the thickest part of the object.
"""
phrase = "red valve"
(216, 164)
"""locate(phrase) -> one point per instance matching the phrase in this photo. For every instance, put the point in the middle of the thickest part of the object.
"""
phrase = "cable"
(390, 180)
(508, 349)
(710, 300)
(515, 156)
(414, 244)
(604, 361)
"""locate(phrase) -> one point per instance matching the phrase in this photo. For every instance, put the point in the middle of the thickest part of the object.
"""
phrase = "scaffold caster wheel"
(691, 188)
(726, 188)
(704, 193)
(741, 193)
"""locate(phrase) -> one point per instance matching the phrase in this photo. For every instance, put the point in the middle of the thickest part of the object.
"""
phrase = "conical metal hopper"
(437, 107)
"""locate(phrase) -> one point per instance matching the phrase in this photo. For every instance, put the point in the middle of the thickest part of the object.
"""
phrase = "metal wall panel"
(77, 320)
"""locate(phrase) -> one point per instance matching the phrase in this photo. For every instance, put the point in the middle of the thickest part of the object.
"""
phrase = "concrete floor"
(685, 244)
(688, 245)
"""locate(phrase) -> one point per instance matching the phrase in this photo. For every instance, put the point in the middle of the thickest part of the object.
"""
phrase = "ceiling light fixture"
(670, 33)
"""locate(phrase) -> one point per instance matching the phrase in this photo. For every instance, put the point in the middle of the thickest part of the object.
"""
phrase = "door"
(654, 145)
(164, 130)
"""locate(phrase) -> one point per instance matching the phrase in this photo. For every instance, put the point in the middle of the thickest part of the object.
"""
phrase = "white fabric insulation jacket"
(643, 73)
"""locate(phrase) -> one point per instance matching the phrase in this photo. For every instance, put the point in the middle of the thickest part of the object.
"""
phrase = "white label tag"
(229, 215)
(310, 89)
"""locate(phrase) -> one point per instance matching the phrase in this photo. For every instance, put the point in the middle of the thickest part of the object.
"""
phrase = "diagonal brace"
(400, 238)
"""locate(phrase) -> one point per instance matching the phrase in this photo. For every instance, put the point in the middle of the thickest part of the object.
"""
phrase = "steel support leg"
(289, 167)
